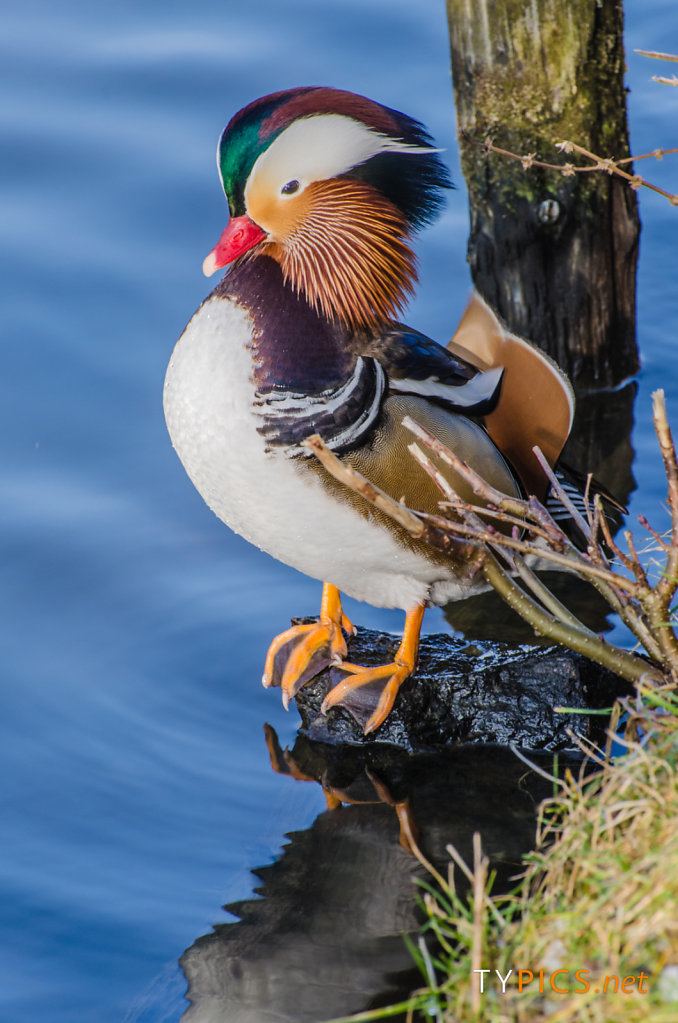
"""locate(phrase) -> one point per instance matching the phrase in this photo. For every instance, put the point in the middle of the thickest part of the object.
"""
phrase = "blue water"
(137, 792)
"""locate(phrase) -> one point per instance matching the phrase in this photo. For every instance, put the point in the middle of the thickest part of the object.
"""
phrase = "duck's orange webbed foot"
(301, 652)
(356, 693)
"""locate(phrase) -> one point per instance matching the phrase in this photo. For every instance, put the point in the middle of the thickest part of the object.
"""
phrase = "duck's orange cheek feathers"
(280, 217)
(241, 235)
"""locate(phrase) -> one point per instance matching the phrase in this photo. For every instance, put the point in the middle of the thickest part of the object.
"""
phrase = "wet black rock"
(472, 693)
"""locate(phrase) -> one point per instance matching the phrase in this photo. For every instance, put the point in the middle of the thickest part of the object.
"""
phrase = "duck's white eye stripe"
(320, 147)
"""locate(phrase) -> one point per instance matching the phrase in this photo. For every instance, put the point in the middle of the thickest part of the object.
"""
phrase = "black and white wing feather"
(580, 494)
(344, 416)
(416, 364)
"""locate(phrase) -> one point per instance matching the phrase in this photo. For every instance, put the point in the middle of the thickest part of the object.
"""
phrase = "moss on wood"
(554, 255)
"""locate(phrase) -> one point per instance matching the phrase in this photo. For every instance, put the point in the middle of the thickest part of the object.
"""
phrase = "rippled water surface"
(137, 792)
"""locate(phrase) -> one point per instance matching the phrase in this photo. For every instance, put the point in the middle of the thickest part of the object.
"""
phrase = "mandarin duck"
(325, 190)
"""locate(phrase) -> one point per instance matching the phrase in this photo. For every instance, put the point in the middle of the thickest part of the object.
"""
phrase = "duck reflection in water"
(324, 936)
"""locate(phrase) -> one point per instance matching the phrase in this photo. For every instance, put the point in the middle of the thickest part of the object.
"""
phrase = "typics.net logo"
(562, 982)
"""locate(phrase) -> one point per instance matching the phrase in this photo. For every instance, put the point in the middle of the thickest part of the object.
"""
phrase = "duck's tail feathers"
(536, 404)
(581, 494)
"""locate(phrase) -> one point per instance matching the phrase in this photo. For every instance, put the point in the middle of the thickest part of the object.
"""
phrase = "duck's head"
(331, 185)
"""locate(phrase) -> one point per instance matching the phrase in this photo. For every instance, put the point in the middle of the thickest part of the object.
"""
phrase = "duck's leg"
(389, 677)
(298, 654)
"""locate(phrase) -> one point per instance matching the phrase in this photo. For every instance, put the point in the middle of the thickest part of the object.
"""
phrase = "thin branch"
(658, 56)
(497, 515)
(357, 482)
(432, 470)
(617, 552)
(560, 493)
(636, 566)
(480, 486)
(630, 613)
(529, 160)
(609, 165)
(668, 452)
(471, 517)
(494, 498)
(657, 537)
(574, 562)
(657, 601)
(623, 663)
(629, 597)
(599, 163)
(556, 537)
(542, 593)
(628, 609)
(656, 154)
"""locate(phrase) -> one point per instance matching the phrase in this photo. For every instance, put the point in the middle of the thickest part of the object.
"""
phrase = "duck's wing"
(417, 365)
(399, 361)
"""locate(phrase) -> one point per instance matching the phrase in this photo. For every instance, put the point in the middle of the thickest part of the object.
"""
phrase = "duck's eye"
(290, 188)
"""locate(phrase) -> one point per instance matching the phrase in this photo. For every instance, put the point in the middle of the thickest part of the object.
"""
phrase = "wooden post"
(555, 256)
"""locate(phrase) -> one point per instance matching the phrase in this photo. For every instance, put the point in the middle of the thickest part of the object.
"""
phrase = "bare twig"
(658, 56)
(493, 514)
(619, 592)
(480, 486)
(356, 481)
(657, 600)
(622, 662)
(571, 562)
(611, 167)
(598, 163)
(480, 865)
(656, 154)
(633, 561)
(657, 537)
(560, 492)
(542, 592)
(525, 530)
(560, 551)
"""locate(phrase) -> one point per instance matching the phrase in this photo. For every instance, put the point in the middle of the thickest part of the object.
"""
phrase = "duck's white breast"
(264, 495)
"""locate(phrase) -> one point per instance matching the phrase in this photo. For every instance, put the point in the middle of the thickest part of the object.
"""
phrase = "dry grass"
(599, 896)
(601, 892)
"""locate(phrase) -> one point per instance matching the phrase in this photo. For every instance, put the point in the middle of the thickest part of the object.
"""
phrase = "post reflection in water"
(324, 936)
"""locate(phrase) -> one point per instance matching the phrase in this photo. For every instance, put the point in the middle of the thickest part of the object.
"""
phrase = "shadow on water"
(323, 938)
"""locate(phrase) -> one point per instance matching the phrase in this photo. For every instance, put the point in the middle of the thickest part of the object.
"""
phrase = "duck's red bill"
(241, 235)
